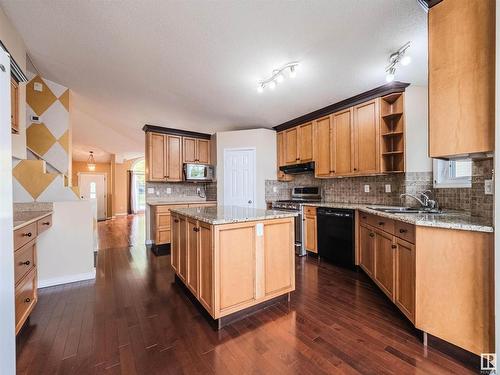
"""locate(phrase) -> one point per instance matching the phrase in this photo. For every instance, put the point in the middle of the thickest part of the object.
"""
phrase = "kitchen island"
(233, 260)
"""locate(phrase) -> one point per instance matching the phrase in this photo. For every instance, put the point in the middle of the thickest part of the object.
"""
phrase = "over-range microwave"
(198, 172)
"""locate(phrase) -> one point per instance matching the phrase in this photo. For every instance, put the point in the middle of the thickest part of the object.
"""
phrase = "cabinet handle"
(196, 229)
(27, 300)
(27, 234)
(381, 223)
(403, 230)
(176, 221)
(27, 263)
(363, 217)
(393, 246)
(46, 223)
(355, 169)
(372, 234)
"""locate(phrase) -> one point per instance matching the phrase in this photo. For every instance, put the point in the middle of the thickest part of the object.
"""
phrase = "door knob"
(249, 202)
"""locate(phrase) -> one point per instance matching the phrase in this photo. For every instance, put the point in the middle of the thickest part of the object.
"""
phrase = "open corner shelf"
(392, 133)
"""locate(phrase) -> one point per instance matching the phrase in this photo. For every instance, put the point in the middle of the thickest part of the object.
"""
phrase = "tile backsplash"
(180, 191)
(351, 189)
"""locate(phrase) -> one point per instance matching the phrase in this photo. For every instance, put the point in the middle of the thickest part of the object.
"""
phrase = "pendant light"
(91, 161)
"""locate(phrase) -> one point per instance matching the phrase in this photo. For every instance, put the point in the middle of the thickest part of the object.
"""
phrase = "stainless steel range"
(300, 196)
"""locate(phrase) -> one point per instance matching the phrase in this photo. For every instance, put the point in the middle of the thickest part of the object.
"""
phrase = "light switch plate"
(367, 188)
(151, 190)
(260, 229)
(488, 187)
(37, 86)
(275, 189)
(169, 190)
(387, 188)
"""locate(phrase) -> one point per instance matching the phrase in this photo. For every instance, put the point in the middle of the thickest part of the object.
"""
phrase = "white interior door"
(93, 187)
(239, 177)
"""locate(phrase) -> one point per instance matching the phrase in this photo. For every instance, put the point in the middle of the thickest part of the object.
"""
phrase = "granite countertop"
(448, 219)
(231, 214)
(167, 202)
(22, 218)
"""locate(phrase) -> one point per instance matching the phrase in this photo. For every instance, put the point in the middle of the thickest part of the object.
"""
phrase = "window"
(452, 173)
(93, 194)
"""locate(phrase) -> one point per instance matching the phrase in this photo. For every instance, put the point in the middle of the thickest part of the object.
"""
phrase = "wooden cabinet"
(26, 297)
(305, 142)
(182, 248)
(280, 158)
(14, 105)
(174, 158)
(366, 138)
(290, 144)
(461, 78)
(311, 229)
(196, 150)
(206, 264)
(384, 262)
(366, 249)
(342, 145)
(156, 157)
(404, 296)
(192, 255)
(174, 246)
(324, 148)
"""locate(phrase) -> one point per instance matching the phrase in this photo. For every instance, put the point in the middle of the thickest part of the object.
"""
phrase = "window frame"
(449, 182)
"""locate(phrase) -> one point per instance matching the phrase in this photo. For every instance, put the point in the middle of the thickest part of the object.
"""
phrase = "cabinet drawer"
(310, 211)
(24, 260)
(43, 224)
(163, 220)
(167, 208)
(162, 236)
(25, 298)
(24, 235)
(387, 225)
(405, 231)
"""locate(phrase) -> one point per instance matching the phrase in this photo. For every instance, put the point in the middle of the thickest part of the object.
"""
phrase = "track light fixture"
(399, 57)
(278, 76)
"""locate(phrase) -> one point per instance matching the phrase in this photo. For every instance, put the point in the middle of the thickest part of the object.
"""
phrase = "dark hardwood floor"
(133, 320)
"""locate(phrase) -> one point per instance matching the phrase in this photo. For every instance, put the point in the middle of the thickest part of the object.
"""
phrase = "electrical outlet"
(488, 187)
(169, 190)
(198, 190)
(151, 190)
(275, 189)
(387, 188)
(367, 188)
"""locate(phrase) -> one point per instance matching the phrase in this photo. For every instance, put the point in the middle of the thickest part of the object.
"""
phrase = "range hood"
(298, 168)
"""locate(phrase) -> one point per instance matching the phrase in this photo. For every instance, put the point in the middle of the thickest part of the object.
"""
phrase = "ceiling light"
(91, 161)
(405, 60)
(390, 75)
(278, 76)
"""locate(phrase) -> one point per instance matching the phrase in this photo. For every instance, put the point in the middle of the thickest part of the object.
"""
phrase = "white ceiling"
(195, 64)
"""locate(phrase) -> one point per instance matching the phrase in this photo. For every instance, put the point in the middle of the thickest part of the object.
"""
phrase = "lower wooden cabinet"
(366, 249)
(182, 248)
(174, 246)
(311, 229)
(404, 296)
(192, 255)
(384, 262)
(206, 256)
(26, 298)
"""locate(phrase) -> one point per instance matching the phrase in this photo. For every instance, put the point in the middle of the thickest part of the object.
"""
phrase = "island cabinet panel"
(236, 265)
(384, 262)
(324, 148)
(366, 249)
(342, 135)
(461, 77)
(366, 140)
(206, 256)
(404, 296)
(174, 246)
(182, 272)
(192, 255)
(278, 259)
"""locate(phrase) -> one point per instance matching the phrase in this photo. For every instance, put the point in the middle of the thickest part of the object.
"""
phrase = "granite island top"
(231, 214)
(22, 218)
(172, 202)
(459, 220)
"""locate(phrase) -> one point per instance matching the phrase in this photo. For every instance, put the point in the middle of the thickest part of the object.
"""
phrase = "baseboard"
(66, 279)
(120, 214)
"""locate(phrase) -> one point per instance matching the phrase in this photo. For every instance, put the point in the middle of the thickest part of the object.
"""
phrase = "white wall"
(65, 252)
(416, 117)
(264, 141)
(15, 44)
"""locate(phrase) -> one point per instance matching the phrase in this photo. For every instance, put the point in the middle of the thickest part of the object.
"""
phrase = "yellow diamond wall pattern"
(64, 99)
(39, 101)
(39, 138)
(30, 174)
(64, 141)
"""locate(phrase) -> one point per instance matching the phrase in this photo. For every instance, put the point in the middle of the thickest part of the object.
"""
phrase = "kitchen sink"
(406, 210)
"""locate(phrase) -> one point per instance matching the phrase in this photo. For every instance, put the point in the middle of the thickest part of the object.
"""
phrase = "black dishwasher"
(336, 235)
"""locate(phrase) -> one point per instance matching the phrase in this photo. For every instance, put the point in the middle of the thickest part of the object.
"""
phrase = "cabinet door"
(367, 249)
(192, 255)
(280, 157)
(366, 137)
(311, 233)
(305, 142)
(206, 260)
(203, 151)
(342, 136)
(405, 278)
(461, 78)
(174, 158)
(182, 271)
(324, 156)
(291, 154)
(157, 157)
(384, 262)
(14, 105)
(174, 246)
(189, 150)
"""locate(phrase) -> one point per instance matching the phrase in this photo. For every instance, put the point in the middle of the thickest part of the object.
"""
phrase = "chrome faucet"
(426, 202)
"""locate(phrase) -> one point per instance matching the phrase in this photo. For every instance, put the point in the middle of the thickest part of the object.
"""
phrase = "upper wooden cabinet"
(280, 158)
(196, 150)
(342, 145)
(174, 158)
(305, 142)
(324, 148)
(290, 145)
(298, 144)
(14, 105)
(366, 138)
(156, 157)
(461, 77)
